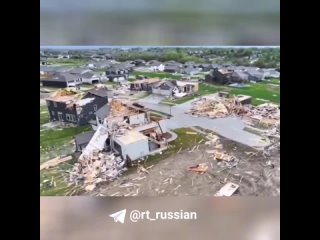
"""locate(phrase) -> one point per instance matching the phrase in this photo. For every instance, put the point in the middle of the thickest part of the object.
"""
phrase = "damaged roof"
(60, 77)
(131, 137)
(104, 111)
(99, 92)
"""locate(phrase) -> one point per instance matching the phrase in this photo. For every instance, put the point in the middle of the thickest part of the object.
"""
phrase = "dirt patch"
(256, 174)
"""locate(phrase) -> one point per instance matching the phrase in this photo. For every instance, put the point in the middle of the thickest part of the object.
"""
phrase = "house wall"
(61, 107)
(89, 80)
(135, 150)
(137, 119)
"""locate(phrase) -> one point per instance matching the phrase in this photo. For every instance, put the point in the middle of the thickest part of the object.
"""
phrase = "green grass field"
(157, 75)
(183, 141)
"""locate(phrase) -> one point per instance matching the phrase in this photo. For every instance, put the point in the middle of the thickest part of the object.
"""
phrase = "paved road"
(229, 127)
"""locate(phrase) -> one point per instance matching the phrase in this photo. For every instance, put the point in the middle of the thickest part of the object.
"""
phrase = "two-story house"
(72, 107)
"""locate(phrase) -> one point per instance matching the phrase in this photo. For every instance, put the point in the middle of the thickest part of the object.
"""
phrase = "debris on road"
(266, 115)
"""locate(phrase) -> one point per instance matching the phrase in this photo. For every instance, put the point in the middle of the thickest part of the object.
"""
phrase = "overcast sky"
(224, 6)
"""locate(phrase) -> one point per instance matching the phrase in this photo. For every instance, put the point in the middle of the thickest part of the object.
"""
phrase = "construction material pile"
(97, 168)
(217, 107)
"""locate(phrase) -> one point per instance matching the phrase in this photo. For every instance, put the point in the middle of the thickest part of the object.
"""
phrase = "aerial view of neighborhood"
(160, 121)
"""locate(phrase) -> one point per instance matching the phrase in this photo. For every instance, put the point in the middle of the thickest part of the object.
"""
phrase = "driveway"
(229, 127)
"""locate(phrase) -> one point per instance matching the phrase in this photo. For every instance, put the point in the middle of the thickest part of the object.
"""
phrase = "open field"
(157, 75)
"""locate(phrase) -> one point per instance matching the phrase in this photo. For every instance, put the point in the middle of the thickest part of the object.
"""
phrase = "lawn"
(183, 141)
(157, 75)
(68, 62)
(55, 143)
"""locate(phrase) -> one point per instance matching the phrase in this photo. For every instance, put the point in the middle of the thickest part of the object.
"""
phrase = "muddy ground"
(255, 174)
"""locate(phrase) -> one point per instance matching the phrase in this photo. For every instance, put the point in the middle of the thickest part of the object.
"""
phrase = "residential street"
(229, 127)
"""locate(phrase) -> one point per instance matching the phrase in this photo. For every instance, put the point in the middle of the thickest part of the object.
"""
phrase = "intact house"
(78, 71)
(155, 66)
(101, 64)
(116, 74)
(139, 62)
(190, 70)
(90, 77)
(255, 75)
(172, 67)
(71, 107)
(271, 73)
(144, 84)
(60, 80)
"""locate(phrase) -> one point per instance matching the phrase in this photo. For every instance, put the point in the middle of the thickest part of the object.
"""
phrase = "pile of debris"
(100, 167)
(265, 115)
(217, 107)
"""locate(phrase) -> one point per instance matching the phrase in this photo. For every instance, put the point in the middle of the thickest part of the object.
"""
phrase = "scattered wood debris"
(200, 168)
(54, 162)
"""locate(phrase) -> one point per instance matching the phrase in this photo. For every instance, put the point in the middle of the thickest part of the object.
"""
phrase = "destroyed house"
(221, 76)
(60, 80)
(128, 113)
(172, 68)
(164, 88)
(144, 84)
(187, 86)
(72, 107)
(141, 141)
